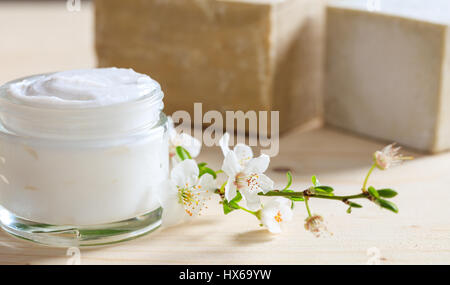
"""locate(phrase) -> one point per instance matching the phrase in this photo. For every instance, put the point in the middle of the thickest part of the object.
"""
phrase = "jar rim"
(155, 95)
(79, 122)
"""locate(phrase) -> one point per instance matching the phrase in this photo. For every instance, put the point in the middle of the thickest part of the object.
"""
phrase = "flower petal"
(268, 214)
(207, 184)
(230, 189)
(173, 211)
(273, 226)
(191, 144)
(287, 212)
(243, 153)
(284, 206)
(185, 172)
(166, 191)
(252, 199)
(230, 165)
(174, 160)
(258, 164)
(265, 183)
(276, 208)
(223, 142)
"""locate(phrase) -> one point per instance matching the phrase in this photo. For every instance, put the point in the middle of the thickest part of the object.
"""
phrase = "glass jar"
(81, 176)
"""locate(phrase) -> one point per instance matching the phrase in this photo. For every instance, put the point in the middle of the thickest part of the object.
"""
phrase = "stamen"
(278, 218)
(251, 181)
(191, 199)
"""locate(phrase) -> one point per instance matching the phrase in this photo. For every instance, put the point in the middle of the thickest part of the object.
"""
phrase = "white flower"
(185, 194)
(388, 156)
(189, 143)
(245, 173)
(276, 212)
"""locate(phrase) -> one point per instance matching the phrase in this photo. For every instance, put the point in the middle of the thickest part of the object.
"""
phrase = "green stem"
(307, 207)
(319, 196)
(367, 177)
(247, 210)
(305, 194)
(222, 188)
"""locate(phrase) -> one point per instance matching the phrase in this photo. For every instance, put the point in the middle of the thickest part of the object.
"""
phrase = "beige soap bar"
(388, 71)
(229, 55)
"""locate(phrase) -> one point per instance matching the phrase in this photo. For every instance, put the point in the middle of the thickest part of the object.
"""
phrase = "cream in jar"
(81, 152)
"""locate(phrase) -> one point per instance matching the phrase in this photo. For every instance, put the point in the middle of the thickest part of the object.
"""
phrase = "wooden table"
(46, 37)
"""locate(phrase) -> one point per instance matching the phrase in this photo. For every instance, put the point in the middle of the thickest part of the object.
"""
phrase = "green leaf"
(354, 205)
(387, 193)
(232, 205)
(229, 206)
(234, 202)
(295, 199)
(227, 209)
(315, 181)
(373, 192)
(289, 177)
(326, 189)
(182, 153)
(204, 170)
(387, 205)
(349, 210)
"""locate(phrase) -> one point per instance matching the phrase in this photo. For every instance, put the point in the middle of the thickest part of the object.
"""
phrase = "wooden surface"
(45, 38)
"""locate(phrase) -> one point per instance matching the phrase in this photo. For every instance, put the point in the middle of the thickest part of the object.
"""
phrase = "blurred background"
(377, 68)
(43, 36)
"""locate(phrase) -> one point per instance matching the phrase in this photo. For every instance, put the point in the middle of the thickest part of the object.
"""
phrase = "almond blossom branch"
(191, 185)
(307, 193)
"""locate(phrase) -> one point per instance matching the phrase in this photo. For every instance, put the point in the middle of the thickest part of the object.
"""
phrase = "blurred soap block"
(388, 71)
(229, 55)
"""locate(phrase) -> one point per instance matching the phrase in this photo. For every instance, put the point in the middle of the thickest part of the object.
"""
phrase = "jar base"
(79, 236)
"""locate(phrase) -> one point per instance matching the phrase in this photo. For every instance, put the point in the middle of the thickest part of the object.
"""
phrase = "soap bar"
(259, 55)
(388, 71)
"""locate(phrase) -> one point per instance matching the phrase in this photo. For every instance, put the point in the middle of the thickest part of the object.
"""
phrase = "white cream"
(82, 147)
(83, 88)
